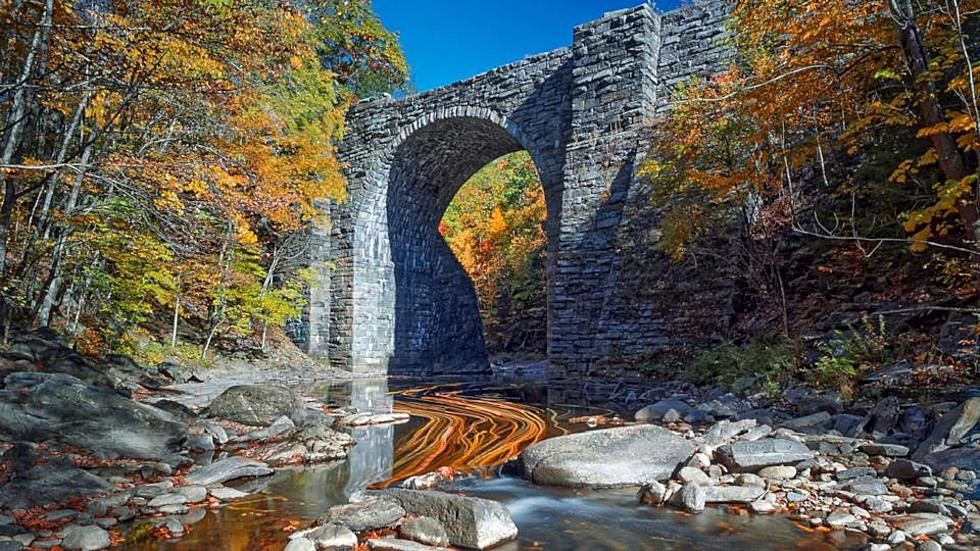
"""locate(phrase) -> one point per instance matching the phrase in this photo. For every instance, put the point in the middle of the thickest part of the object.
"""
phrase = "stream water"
(475, 428)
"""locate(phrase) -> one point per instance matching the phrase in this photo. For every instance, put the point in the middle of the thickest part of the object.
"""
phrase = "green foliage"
(355, 45)
(770, 360)
(848, 355)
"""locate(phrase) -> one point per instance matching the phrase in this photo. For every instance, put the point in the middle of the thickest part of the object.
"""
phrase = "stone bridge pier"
(392, 298)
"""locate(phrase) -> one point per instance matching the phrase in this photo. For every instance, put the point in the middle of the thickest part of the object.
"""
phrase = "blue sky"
(448, 40)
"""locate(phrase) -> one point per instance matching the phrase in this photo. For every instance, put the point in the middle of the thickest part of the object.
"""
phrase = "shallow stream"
(475, 428)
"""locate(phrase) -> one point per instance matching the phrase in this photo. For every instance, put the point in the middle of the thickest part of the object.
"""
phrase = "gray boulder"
(616, 457)
(752, 456)
(50, 483)
(227, 469)
(907, 470)
(424, 530)
(38, 407)
(951, 429)
(371, 514)
(657, 411)
(469, 521)
(258, 405)
(85, 538)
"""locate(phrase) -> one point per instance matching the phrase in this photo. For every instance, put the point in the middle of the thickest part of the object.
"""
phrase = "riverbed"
(475, 428)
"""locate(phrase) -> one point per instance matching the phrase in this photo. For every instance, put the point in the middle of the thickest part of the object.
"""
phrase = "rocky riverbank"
(904, 475)
(98, 450)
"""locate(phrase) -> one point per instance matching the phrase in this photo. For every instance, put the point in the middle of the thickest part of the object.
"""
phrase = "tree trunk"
(930, 113)
(18, 112)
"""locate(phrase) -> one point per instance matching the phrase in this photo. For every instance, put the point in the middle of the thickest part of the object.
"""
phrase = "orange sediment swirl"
(465, 433)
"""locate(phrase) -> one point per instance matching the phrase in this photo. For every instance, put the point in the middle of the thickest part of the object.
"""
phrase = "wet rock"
(839, 519)
(226, 494)
(332, 536)
(257, 405)
(752, 456)
(279, 428)
(762, 507)
(693, 474)
(300, 544)
(227, 469)
(904, 469)
(50, 483)
(657, 411)
(616, 457)
(428, 531)
(85, 538)
(393, 544)
(733, 494)
(310, 417)
(173, 526)
(692, 497)
(193, 494)
(922, 524)
(37, 407)
(469, 521)
(167, 499)
(372, 514)
(653, 493)
(928, 545)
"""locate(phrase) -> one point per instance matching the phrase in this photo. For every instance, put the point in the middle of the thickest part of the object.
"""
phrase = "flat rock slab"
(36, 407)
(393, 544)
(227, 469)
(469, 521)
(48, 483)
(752, 456)
(372, 514)
(607, 458)
(922, 524)
(733, 494)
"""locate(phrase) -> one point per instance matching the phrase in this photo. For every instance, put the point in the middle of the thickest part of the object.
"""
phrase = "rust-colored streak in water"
(465, 433)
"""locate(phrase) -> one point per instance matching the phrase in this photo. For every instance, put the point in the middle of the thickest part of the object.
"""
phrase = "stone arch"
(433, 323)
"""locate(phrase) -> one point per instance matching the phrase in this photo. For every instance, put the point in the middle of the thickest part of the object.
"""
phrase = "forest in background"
(833, 169)
(161, 160)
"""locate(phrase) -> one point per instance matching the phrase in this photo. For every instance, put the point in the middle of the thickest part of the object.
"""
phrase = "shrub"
(848, 355)
(771, 360)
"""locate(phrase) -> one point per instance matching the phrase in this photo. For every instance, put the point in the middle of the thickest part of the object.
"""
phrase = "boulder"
(692, 497)
(752, 456)
(332, 536)
(965, 458)
(257, 405)
(469, 521)
(607, 458)
(950, 429)
(657, 411)
(85, 538)
(426, 530)
(50, 483)
(227, 469)
(372, 514)
(907, 470)
(922, 524)
(38, 407)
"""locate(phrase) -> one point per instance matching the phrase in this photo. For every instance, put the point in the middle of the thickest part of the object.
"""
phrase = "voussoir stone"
(469, 521)
(607, 458)
(752, 456)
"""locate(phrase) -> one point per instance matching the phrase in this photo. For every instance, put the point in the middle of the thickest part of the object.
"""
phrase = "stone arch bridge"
(391, 296)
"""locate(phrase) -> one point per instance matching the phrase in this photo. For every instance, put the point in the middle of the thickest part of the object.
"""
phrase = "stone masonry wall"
(392, 298)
